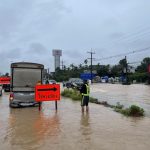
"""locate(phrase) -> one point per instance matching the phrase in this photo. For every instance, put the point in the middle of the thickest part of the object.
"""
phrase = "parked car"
(52, 81)
(49, 82)
(6, 87)
(74, 83)
(1, 89)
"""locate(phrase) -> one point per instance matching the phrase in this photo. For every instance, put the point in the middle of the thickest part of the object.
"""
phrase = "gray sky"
(30, 29)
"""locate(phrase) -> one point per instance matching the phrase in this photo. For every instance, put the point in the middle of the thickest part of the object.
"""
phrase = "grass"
(133, 110)
(75, 95)
(72, 93)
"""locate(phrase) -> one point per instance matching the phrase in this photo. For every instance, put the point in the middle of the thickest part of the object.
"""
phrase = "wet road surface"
(68, 128)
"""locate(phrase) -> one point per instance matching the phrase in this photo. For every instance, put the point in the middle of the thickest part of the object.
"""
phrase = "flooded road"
(127, 95)
(68, 128)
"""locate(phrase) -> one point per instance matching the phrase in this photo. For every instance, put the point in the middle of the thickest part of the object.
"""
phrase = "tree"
(103, 70)
(72, 66)
(144, 65)
(85, 61)
(123, 64)
(116, 70)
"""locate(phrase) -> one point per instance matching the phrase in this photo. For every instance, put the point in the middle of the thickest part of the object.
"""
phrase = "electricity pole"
(62, 64)
(126, 68)
(91, 58)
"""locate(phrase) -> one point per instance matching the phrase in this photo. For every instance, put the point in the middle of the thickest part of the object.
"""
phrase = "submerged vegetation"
(133, 110)
(75, 95)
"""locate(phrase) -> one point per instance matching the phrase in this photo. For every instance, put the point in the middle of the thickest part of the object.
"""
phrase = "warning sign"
(4, 80)
(48, 92)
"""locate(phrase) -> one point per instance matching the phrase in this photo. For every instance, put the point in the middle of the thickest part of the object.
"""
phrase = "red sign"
(48, 92)
(149, 68)
(4, 80)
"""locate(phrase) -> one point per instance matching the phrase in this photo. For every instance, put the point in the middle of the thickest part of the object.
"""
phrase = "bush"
(93, 100)
(136, 111)
(75, 95)
(119, 106)
(133, 110)
(72, 93)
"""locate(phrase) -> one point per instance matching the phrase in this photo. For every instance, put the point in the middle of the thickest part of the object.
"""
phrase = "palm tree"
(72, 66)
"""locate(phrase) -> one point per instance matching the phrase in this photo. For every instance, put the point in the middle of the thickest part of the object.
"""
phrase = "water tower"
(57, 53)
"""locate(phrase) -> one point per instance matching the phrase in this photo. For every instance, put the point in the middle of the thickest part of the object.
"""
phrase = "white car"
(1, 89)
(52, 81)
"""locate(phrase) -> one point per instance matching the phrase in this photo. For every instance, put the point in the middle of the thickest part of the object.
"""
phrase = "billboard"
(4, 80)
(87, 76)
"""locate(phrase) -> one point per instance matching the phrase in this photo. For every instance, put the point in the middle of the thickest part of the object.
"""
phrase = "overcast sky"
(30, 29)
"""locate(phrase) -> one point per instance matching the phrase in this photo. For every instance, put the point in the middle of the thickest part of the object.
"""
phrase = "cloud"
(37, 49)
(30, 29)
(116, 35)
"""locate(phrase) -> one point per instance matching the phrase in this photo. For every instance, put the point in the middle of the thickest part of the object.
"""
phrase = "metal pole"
(126, 69)
(91, 68)
(56, 105)
(39, 106)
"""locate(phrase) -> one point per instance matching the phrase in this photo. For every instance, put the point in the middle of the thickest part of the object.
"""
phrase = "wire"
(136, 62)
(124, 54)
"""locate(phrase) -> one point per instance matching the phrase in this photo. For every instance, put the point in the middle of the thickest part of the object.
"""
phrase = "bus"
(24, 77)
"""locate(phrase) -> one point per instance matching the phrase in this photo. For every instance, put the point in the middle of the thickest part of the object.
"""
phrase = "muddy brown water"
(137, 94)
(68, 128)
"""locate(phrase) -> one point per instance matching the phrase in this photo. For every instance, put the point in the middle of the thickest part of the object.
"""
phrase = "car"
(52, 81)
(1, 89)
(6, 87)
(74, 83)
(49, 81)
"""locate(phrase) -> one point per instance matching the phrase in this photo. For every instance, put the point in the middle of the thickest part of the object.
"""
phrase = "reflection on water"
(85, 119)
(85, 127)
(85, 130)
(29, 127)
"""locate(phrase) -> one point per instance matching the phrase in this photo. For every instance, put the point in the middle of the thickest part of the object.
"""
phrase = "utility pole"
(149, 74)
(91, 58)
(126, 68)
(48, 73)
(62, 64)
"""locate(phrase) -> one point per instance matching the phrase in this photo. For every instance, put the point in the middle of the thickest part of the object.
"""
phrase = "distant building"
(57, 53)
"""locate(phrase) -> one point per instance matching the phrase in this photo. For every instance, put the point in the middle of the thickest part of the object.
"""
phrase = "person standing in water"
(85, 91)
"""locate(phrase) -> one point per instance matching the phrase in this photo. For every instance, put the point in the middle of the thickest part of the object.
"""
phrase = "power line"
(124, 54)
(129, 37)
(136, 62)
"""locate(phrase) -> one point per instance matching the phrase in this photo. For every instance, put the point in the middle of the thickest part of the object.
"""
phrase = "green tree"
(116, 70)
(123, 64)
(144, 65)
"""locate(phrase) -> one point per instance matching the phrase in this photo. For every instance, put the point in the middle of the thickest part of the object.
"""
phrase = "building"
(57, 53)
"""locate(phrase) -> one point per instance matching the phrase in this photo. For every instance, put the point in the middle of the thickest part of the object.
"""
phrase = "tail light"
(11, 97)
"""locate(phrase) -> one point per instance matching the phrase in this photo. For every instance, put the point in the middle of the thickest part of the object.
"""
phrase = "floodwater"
(127, 95)
(68, 128)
